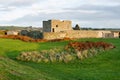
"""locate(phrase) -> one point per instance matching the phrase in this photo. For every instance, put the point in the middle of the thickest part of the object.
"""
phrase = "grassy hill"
(104, 66)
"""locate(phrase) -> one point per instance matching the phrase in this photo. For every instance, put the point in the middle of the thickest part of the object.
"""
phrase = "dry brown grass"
(28, 39)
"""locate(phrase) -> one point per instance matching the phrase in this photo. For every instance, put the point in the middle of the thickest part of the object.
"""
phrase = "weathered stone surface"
(57, 26)
(75, 34)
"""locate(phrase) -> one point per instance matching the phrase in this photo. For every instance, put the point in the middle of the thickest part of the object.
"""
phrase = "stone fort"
(57, 26)
(56, 29)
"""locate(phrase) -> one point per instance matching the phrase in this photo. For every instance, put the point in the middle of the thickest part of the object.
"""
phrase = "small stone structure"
(12, 33)
(57, 26)
(77, 27)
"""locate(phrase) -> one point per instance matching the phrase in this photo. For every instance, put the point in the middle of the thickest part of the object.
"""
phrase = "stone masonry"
(57, 26)
(75, 34)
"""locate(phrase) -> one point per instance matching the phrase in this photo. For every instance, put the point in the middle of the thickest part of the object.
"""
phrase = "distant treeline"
(11, 28)
(100, 28)
(30, 27)
(18, 28)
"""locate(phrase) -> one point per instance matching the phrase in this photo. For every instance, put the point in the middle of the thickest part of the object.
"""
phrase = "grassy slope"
(102, 67)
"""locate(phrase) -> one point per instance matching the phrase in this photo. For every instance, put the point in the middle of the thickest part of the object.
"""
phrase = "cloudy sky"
(86, 13)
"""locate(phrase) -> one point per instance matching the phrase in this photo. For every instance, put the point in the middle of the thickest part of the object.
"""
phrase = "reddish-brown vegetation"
(28, 39)
(23, 38)
(64, 39)
(89, 45)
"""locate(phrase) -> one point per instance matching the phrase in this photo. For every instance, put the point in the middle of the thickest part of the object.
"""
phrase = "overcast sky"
(86, 13)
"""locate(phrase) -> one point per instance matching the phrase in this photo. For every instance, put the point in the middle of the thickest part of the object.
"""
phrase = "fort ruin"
(57, 26)
(56, 29)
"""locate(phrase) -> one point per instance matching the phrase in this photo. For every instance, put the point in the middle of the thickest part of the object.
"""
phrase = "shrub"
(71, 52)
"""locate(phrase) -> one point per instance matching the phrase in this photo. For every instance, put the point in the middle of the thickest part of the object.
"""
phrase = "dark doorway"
(53, 30)
(5, 33)
(119, 34)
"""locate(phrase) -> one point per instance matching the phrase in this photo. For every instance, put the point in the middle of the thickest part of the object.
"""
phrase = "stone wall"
(74, 34)
(116, 34)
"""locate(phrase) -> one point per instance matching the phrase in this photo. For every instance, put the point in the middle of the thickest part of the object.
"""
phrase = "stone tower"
(57, 26)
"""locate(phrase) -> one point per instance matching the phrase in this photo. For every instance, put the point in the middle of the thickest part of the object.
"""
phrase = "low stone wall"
(116, 34)
(53, 35)
(74, 34)
(82, 34)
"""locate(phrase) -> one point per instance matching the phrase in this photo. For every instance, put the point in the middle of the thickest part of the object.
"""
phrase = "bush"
(72, 51)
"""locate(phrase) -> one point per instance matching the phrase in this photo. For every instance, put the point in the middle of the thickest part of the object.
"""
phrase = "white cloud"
(13, 14)
(87, 13)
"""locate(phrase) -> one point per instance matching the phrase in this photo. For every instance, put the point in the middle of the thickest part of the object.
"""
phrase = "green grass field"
(105, 66)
